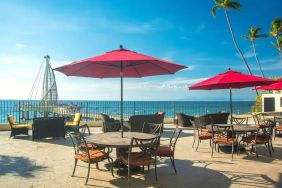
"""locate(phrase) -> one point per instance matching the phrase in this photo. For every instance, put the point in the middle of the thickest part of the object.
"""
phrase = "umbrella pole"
(121, 98)
(231, 110)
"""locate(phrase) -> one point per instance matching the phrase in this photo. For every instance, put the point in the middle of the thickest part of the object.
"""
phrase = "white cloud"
(139, 28)
(20, 46)
(200, 28)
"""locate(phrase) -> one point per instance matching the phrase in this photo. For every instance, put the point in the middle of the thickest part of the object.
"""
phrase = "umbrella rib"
(152, 63)
(89, 64)
(139, 75)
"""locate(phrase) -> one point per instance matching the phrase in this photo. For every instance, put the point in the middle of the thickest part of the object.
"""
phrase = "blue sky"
(184, 32)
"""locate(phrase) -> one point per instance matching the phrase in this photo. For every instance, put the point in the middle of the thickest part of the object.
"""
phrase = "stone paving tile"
(49, 163)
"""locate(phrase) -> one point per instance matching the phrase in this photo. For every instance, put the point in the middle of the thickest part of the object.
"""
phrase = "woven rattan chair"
(17, 129)
(145, 156)
(83, 152)
(110, 124)
(168, 150)
(184, 120)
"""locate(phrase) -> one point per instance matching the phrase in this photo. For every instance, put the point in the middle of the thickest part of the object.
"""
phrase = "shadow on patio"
(19, 166)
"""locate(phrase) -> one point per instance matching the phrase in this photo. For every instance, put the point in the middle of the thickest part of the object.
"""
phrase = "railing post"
(173, 109)
(134, 108)
(19, 117)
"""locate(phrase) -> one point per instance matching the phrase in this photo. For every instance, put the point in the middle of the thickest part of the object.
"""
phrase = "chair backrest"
(105, 117)
(184, 120)
(266, 130)
(259, 119)
(278, 120)
(174, 137)
(219, 118)
(78, 142)
(82, 129)
(136, 121)
(11, 120)
(148, 146)
(226, 131)
(152, 128)
(202, 121)
(77, 118)
(111, 126)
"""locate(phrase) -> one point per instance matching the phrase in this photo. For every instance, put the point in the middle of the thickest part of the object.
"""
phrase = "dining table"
(238, 128)
(114, 140)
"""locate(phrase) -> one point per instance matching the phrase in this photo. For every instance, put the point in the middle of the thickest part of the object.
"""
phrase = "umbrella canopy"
(118, 64)
(275, 86)
(231, 79)
(111, 64)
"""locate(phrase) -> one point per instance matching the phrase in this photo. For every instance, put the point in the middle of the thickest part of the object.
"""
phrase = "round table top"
(114, 139)
(239, 127)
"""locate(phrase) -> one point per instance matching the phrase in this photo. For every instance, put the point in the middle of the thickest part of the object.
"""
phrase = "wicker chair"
(136, 122)
(110, 124)
(219, 118)
(146, 155)
(83, 152)
(184, 120)
(17, 129)
(168, 150)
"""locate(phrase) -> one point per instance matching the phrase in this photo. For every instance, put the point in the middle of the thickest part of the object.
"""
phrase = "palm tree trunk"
(279, 49)
(255, 54)
(235, 42)
(237, 47)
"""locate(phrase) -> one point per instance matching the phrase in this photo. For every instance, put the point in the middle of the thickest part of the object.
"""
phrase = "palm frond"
(217, 2)
(257, 30)
(247, 37)
(262, 36)
(234, 4)
(214, 8)
(274, 45)
(276, 27)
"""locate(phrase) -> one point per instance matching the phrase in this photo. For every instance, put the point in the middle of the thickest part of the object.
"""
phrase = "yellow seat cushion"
(71, 124)
(75, 121)
(22, 126)
(16, 125)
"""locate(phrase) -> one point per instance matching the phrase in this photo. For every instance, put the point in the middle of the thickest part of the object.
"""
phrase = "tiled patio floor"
(49, 163)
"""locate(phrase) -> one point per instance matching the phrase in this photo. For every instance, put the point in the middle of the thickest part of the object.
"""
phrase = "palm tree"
(253, 35)
(226, 5)
(275, 32)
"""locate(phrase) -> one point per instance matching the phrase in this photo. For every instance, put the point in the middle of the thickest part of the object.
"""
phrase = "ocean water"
(26, 110)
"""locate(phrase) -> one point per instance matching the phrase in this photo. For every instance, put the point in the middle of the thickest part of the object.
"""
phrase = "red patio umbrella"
(275, 86)
(118, 64)
(229, 80)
